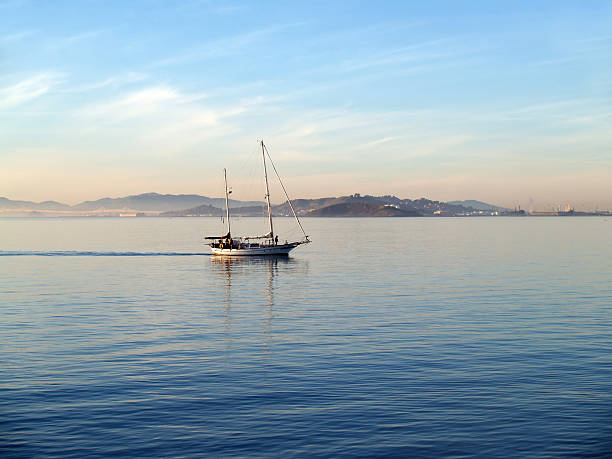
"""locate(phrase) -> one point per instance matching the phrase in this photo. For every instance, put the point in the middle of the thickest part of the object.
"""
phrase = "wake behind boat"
(266, 244)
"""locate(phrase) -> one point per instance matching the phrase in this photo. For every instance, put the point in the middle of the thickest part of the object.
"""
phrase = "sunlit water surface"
(385, 337)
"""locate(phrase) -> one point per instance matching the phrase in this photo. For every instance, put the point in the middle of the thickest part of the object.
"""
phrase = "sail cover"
(227, 236)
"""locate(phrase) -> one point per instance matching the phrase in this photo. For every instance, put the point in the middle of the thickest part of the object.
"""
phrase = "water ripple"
(458, 337)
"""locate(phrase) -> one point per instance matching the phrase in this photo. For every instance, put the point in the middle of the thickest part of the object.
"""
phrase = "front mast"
(263, 154)
(229, 230)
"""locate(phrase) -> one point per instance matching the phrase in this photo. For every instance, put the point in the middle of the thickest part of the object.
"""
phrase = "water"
(385, 337)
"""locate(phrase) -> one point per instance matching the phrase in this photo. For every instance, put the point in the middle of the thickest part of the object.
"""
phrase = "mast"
(263, 155)
(229, 230)
(286, 194)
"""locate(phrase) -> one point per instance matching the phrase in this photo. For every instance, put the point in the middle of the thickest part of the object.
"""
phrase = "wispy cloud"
(222, 47)
(81, 36)
(135, 104)
(163, 120)
(381, 141)
(578, 111)
(418, 52)
(11, 3)
(363, 33)
(223, 8)
(550, 106)
(113, 82)
(28, 89)
(557, 61)
(17, 36)
(58, 43)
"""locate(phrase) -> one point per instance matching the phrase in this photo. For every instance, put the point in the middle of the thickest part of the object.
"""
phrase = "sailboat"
(266, 244)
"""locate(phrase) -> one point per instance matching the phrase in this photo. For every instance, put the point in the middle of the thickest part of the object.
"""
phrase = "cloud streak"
(222, 47)
(140, 103)
(110, 82)
(17, 36)
(28, 89)
(162, 121)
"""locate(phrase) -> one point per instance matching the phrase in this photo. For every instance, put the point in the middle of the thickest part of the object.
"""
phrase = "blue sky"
(497, 101)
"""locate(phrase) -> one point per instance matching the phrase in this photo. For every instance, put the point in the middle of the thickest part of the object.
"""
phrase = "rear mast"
(227, 215)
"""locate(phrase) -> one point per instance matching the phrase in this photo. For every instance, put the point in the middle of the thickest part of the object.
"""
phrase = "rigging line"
(286, 194)
(267, 189)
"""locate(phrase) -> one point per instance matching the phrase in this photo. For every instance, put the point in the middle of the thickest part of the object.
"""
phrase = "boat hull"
(281, 249)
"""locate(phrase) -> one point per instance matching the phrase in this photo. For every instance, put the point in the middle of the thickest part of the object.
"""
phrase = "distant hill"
(361, 209)
(206, 210)
(303, 206)
(347, 206)
(6, 203)
(196, 205)
(478, 205)
(158, 202)
(199, 211)
(147, 202)
(352, 205)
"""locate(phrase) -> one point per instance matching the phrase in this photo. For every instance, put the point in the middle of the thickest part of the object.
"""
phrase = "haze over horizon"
(502, 103)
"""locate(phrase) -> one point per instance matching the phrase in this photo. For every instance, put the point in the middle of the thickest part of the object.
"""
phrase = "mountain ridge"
(6, 203)
(478, 205)
(151, 201)
(155, 202)
(352, 205)
(179, 205)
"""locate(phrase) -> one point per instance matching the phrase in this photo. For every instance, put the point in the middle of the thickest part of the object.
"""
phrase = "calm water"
(385, 337)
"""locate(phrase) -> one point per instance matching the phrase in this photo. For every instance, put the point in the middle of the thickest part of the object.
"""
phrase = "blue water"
(385, 337)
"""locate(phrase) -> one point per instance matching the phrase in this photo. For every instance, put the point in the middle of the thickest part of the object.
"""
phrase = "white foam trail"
(74, 253)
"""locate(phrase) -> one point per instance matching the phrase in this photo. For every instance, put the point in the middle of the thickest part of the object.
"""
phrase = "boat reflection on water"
(245, 277)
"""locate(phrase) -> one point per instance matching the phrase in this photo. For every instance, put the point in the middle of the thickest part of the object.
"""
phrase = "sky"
(504, 102)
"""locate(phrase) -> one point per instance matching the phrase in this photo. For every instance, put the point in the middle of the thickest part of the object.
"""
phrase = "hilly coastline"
(142, 204)
(6, 204)
(191, 205)
(478, 205)
(349, 209)
(157, 202)
(344, 206)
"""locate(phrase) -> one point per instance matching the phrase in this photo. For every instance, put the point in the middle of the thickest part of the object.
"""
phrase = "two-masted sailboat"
(266, 244)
